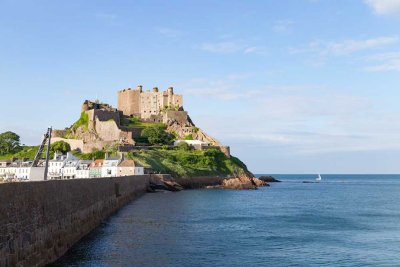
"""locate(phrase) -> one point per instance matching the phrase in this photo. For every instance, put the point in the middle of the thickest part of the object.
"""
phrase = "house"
(57, 164)
(22, 172)
(191, 142)
(110, 166)
(95, 168)
(129, 167)
(4, 167)
(19, 170)
(4, 163)
(82, 170)
(69, 169)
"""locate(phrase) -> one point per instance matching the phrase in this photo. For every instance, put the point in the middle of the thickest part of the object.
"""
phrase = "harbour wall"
(40, 221)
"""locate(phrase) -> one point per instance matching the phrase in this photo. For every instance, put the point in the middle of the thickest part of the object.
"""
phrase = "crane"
(47, 137)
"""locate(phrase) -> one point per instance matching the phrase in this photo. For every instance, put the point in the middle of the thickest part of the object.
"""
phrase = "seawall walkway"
(40, 221)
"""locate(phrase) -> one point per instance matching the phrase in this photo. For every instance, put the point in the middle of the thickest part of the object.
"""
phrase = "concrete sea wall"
(40, 221)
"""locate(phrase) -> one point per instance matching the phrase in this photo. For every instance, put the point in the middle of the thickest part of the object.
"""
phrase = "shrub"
(60, 146)
(165, 147)
(157, 135)
(189, 137)
(183, 146)
(195, 129)
(83, 120)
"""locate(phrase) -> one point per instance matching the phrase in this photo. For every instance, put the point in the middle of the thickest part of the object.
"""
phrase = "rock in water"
(259, 182)
(269, 179)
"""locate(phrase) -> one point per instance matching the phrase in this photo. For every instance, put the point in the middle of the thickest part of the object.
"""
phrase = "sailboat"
(319, 178)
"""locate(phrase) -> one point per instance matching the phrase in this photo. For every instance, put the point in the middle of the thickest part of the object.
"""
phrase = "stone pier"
(40, 221)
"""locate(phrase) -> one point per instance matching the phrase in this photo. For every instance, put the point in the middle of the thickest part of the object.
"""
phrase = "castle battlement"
(143, 104)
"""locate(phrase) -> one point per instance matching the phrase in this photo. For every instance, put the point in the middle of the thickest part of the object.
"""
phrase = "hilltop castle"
(102, 125)
(144, 104)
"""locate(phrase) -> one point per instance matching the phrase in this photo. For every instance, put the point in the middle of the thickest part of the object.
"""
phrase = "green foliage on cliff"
(195, 129)
(60, 146)
(134, 122)
(83, 120)
(189, 163)
(157, 135)
(189, 137)
(98, 154)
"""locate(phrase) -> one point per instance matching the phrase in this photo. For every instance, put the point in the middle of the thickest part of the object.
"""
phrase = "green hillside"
(186, 163)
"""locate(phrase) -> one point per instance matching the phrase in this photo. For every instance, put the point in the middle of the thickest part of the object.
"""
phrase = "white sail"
(319, 178)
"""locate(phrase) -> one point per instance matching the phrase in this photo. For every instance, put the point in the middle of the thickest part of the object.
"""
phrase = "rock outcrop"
(268, 179)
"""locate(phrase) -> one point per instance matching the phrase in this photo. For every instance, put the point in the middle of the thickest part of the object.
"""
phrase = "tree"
(156, 135)
(183, 146)
(189, 137)
(60, 146)
(9, 142)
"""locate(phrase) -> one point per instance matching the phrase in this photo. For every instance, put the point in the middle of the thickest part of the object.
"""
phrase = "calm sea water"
(353, 223)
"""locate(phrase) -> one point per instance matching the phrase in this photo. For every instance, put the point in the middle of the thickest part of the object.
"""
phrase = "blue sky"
(299, 86)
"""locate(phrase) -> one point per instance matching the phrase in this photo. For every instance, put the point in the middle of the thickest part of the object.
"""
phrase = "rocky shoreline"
(245, 181)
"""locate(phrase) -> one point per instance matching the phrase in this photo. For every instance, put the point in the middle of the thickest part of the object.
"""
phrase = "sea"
(344, 220)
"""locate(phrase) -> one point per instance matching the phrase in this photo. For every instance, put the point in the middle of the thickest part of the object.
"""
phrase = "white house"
(191, 142)
(110, 165)
(82, 170)
(57, 164)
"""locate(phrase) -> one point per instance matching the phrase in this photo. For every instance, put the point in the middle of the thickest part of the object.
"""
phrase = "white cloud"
(393, 65)
(168, 32)
(283, 26)
(250, 50)
(385, 7)
(387, 62)
(222, 47)
(351, 46)
(229, 47)
(345, 47)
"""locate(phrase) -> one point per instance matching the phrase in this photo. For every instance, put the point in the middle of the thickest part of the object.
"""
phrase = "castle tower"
(145, 103)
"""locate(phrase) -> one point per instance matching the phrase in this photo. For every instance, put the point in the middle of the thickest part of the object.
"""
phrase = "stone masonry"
(143, 104)
(40, 221)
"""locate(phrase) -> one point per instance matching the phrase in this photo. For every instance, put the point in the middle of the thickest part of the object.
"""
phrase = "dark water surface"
(290, 223)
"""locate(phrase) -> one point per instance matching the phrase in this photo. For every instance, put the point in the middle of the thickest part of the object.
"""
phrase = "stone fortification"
(40, 221)
(105, 124)
(144, 104)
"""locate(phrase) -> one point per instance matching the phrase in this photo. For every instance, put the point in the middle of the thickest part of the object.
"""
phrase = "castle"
(144, 104)
(101, 125)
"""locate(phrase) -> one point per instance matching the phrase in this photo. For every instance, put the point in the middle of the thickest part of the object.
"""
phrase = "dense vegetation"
(9, 143)
(83, 120)
(183, 162)
(134, 122)
(157, 135)
(31, 151)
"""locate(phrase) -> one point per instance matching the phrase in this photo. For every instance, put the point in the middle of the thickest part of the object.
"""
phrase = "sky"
(293, 86)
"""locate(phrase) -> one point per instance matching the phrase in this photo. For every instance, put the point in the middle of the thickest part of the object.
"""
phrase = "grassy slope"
(181, 163)
(25, 152)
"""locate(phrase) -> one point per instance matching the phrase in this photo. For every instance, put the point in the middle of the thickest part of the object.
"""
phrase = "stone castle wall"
(40, 221)
(129, 101)
(146, 103)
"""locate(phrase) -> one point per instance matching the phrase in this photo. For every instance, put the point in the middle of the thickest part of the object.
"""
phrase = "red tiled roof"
(96, 163)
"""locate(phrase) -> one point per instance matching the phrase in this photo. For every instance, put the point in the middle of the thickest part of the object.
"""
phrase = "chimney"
(25, 159)
(13, 159)
(140, 88)
(155, 89)
(107, 155)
